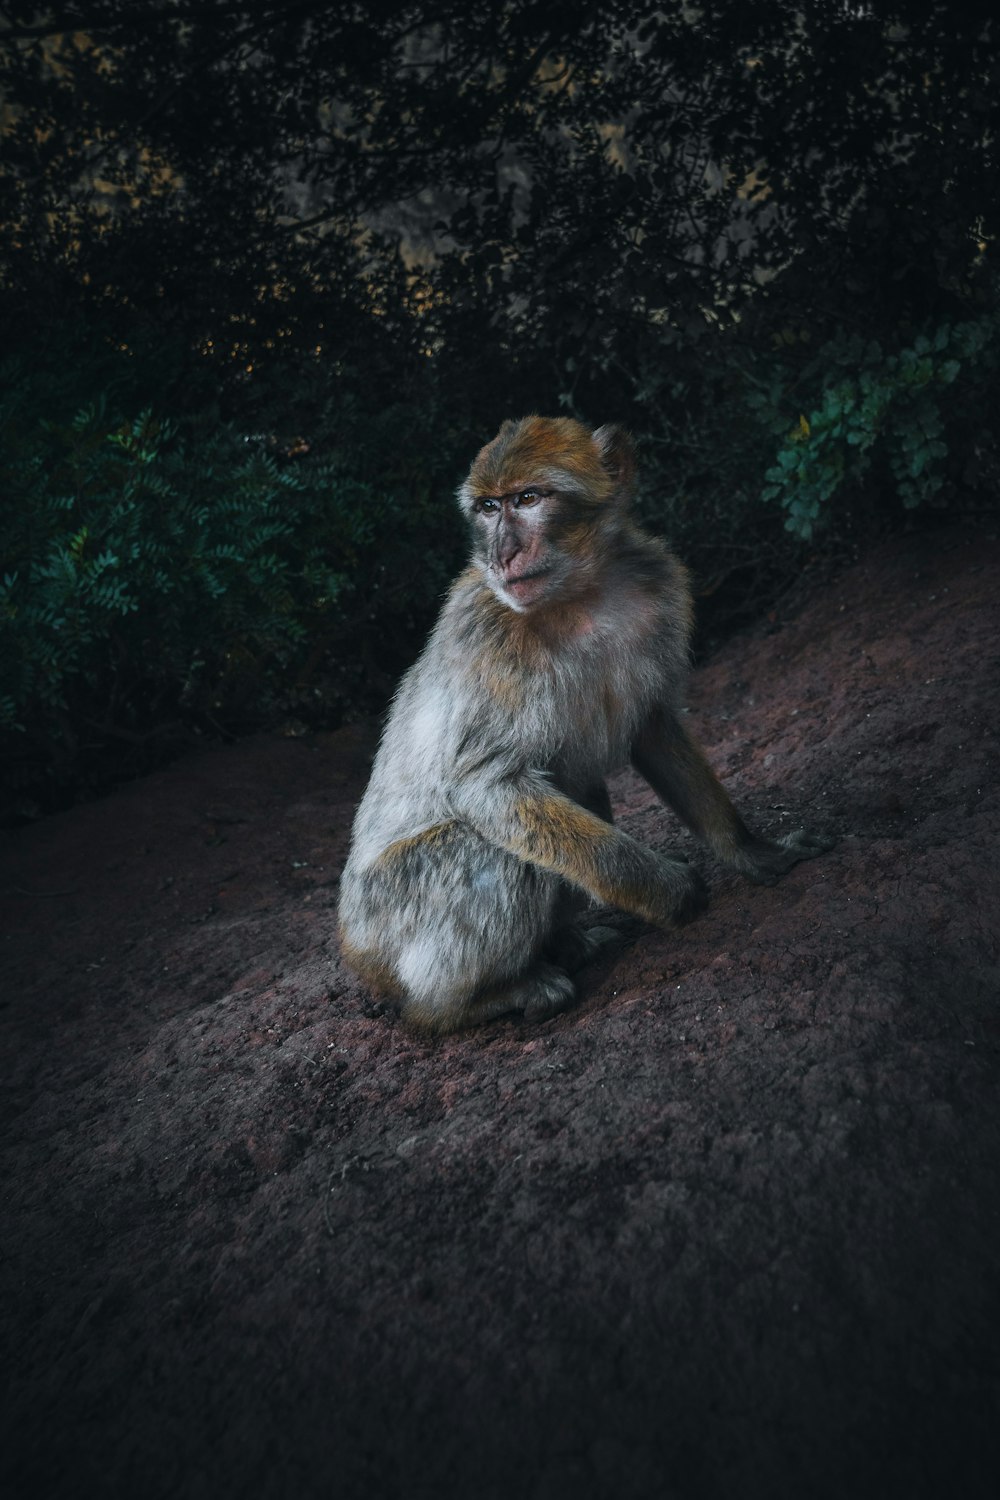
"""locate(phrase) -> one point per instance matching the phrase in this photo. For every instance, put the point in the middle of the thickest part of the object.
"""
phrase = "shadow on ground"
(730, 1228)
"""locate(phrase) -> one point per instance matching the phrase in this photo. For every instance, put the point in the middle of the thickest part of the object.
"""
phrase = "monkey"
(560, 655)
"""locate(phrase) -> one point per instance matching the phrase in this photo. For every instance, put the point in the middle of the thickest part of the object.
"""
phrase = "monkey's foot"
(543, 991)
(570, 947)
(765, 860)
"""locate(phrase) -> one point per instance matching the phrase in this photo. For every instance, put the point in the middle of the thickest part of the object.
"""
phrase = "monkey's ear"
(618, 457)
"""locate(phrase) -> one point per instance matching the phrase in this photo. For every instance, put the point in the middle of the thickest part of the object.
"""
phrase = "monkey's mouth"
(514, 581)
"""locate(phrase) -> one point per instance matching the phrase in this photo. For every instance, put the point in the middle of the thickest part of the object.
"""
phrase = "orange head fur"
(544, 500)
(592, 467)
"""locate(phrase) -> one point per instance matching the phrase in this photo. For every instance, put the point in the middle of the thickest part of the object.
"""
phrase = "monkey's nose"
(509, 548)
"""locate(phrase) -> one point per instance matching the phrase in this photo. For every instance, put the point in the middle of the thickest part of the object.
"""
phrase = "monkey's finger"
(805, 844)
(692, 902)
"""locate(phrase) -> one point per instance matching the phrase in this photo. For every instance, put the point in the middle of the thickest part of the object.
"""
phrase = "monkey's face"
(516, 543)
(540, 497)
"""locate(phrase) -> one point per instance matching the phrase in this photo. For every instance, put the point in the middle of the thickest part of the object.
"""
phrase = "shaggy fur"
(486, 821)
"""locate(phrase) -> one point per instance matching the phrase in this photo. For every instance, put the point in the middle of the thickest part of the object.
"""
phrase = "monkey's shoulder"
(653, 571)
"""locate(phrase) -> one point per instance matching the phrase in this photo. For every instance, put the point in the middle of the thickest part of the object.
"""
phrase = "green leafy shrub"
(161, 576)
(703, 451)
(907, 416)
(218, 554)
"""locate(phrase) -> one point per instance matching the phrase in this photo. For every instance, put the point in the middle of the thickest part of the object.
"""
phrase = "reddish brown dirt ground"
(728, 1229)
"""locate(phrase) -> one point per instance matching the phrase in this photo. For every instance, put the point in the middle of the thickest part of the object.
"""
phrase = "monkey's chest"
(596, 714)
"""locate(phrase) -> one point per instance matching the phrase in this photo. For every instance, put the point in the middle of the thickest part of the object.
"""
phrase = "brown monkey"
(560, 654)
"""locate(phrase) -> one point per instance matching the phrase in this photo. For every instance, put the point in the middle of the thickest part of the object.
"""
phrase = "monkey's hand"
(765, 860)
(682, 892)
(527, 816)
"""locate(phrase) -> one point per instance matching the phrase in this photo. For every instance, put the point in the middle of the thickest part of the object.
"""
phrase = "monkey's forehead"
(555, 451)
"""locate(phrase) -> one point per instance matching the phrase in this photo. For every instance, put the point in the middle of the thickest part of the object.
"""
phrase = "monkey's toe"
(766, 860)
(543, 991)
(546, 992)
(807, 845)
(570, 947)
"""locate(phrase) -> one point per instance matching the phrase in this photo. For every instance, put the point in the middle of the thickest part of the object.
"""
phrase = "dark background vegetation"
(271, 272)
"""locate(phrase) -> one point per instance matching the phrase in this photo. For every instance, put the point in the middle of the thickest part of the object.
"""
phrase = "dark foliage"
(270, 273)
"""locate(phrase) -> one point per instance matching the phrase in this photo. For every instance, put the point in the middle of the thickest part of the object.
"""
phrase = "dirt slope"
(731, 1228)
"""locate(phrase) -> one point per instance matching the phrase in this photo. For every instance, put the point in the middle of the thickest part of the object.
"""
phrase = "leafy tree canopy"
(534, 169)
(271, 269)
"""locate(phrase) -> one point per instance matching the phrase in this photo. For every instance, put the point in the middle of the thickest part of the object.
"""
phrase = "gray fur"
(439, 899)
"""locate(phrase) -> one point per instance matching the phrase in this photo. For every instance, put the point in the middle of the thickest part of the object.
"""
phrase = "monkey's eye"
(485, 503)
(528, 497)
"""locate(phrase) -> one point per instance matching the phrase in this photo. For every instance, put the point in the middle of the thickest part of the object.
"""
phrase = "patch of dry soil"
(730, 1228)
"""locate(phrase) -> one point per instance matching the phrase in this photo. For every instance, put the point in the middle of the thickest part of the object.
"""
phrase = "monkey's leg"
(456, 926)
(571, 944)
(675, 767)
(596, 798)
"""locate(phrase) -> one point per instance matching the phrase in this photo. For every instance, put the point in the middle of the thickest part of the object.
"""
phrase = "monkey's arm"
(675, 767)
(526, 815)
